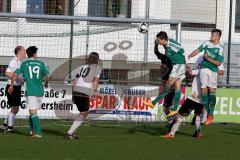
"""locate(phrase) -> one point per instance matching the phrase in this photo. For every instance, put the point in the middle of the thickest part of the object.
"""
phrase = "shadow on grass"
(44, 131)
(152, 130)
(184, 134)
(52, 132)
(22, 133)
(230, 132)
(131, 128)
(233, 130)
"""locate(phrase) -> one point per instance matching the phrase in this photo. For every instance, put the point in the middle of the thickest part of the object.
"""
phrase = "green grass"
(127, 142)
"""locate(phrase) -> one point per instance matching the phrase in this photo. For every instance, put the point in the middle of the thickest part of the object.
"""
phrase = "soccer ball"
(143, 28)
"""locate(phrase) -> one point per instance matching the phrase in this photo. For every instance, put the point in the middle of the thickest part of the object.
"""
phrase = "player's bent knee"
(84, 114)
(15, 109)
(33, 111)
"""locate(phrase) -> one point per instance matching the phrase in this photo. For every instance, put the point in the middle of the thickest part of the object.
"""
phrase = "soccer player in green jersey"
(213, 57)
(34, 72)
(175, 52)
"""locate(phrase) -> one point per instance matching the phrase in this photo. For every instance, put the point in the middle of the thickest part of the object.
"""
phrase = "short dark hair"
(93, 58)
(31, 51)
(162, 35)
(217, 31)
(17, 49)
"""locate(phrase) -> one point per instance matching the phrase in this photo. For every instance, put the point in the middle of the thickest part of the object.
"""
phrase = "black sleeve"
(165, 60)
(77, 76)
(157, 53)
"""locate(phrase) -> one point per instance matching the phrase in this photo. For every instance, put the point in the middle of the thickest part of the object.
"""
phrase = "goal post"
(126, 79)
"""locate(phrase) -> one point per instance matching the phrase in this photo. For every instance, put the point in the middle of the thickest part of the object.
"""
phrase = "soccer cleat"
(168, 135)
(149, 104)
(172, 113)
(70, 136)
(31, 133)
(209, 120)
(4, 127)
(36, 136)
(9, 130)
(197, 134)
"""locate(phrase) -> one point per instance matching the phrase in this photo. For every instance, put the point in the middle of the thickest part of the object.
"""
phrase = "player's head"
(32, 51)
(216, 35)
(20, 52)
(162, 38)
(93, 58)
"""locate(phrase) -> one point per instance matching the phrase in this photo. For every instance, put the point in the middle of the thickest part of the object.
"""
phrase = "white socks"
(198, 123)
(176, 125)
(77, 122)
(10, 119)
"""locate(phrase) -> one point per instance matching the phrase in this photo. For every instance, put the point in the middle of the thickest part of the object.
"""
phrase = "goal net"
(130, 69)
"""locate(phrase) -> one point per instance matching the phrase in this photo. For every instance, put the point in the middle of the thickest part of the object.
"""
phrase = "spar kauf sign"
(116, 102)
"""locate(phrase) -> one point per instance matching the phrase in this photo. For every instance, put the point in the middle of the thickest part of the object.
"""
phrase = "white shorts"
(33, 102)
(208, 78)
(178, 71)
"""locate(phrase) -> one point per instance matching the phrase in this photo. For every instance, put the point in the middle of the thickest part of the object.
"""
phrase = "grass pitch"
(124, 142)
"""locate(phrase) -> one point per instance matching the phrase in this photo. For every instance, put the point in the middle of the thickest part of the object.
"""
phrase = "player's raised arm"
(156, 51)
(201, 48)
(194, 53)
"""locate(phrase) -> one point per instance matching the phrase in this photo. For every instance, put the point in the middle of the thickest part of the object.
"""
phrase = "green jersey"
(34, 72)
(214, 51)
(175, 52)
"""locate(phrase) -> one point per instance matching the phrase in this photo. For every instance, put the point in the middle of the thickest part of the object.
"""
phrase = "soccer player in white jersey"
(14, 99)
(85, 85)
(213, 57)
(193, 102)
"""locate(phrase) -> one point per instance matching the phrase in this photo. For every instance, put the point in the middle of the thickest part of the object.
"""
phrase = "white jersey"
(12, 66)
(85, 75)
(195, 94)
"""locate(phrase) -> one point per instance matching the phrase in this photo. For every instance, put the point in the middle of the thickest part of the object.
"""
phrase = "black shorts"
(190, 105)
(14, 99)
(81, 100)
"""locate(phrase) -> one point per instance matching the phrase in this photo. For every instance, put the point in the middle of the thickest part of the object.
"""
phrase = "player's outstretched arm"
(194, 53)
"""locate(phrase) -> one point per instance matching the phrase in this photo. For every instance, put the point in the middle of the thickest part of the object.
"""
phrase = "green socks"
(36, 124)
(176, 99)
(30, 123)
(165, 91)
(212, 103)
(205, 100)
